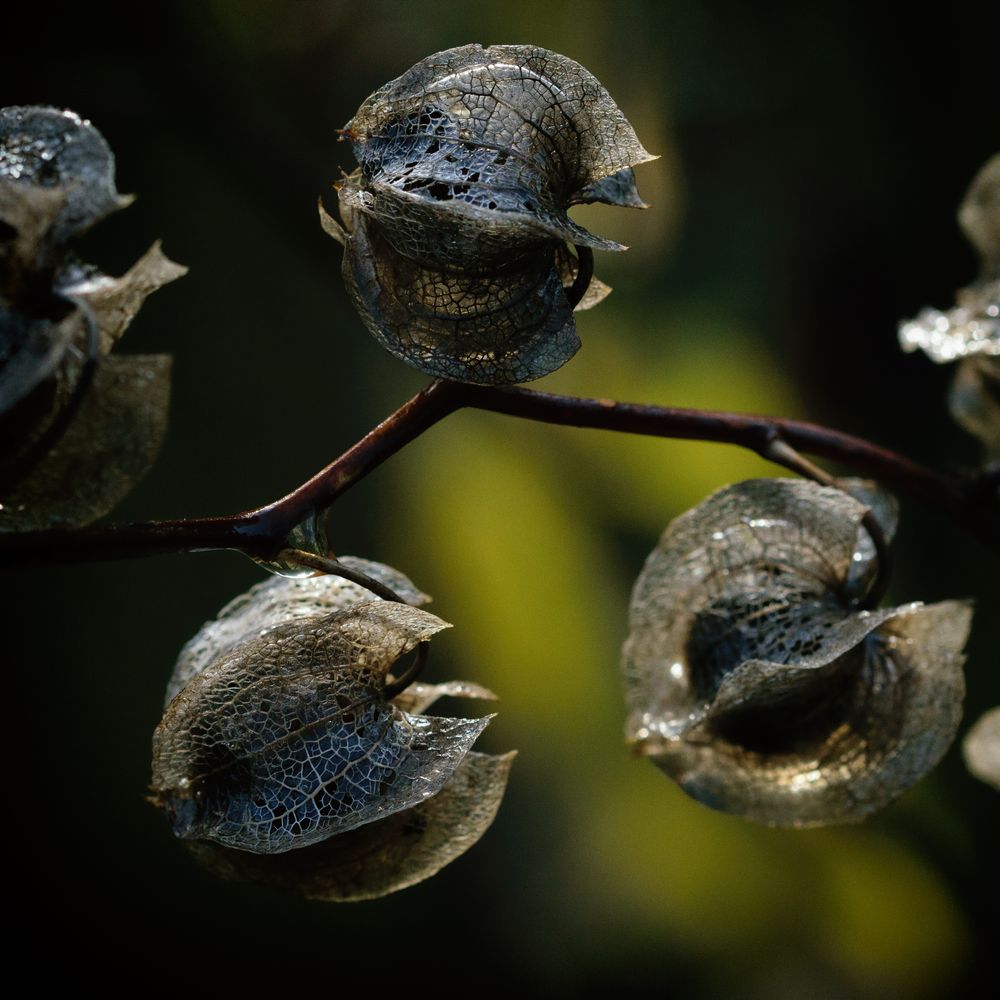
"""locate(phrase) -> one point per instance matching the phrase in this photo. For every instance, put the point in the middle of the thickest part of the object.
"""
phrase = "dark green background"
(813, 159)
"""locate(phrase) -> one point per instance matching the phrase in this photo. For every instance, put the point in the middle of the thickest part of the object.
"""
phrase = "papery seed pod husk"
(289, 739)
(974, 401)
(27, 216)
(288, 686)
(387, 855)
(974, 398)
(981, 748)
(34, 356)
(972, 327)
(468, 164)
(498, 328)
(117, 301)
(753, 682)
(971, 331)
(38, 346)
(62, 174)
(78, 429)
(278, 601)
(979, 217)
(110, 444)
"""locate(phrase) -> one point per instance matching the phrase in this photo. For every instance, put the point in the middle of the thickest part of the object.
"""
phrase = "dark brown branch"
(743, 429)
(974, 504)
(263, 532)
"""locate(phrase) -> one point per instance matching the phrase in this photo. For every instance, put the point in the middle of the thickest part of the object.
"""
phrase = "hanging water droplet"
(310, 536)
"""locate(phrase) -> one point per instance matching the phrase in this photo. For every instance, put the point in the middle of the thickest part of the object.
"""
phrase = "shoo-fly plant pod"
(456, 221)
(286, 757)
(969, 332)
(78, 426)
(295, 748)
(753, 680)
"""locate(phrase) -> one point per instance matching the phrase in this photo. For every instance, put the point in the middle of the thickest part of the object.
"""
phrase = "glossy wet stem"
(263, 532)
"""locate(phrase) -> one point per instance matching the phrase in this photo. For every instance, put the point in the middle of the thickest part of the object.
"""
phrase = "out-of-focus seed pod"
(974, 400)
(970, 332)
(981, 748)
(57, 178)
(78, 428)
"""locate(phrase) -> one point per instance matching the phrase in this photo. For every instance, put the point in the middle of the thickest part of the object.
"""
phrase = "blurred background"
(812, 160)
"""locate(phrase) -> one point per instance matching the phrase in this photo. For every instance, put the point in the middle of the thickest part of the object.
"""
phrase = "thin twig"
(782, 453)
(325, 564)
(333, 567)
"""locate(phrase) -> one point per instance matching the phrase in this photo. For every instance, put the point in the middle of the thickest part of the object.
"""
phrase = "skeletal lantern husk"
(456, 222)
(969, 333)
(981, 748)
(280, 759)
(79, 428)
(972, 327)
(974, 401)
(975, 393)
(752, 682)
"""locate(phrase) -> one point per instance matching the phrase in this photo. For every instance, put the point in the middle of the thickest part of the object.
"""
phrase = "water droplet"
(308, 535)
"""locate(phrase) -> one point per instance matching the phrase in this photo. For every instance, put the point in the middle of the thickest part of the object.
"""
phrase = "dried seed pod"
(979, 217)
(970, 332)
(277, 601)
(457, 218)
(387, 855)
(753, 682)
(78, 428)
(974, 401)
(56, 180)
(972, 327)
(284, 761)
(108, 445)
(981, 748)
